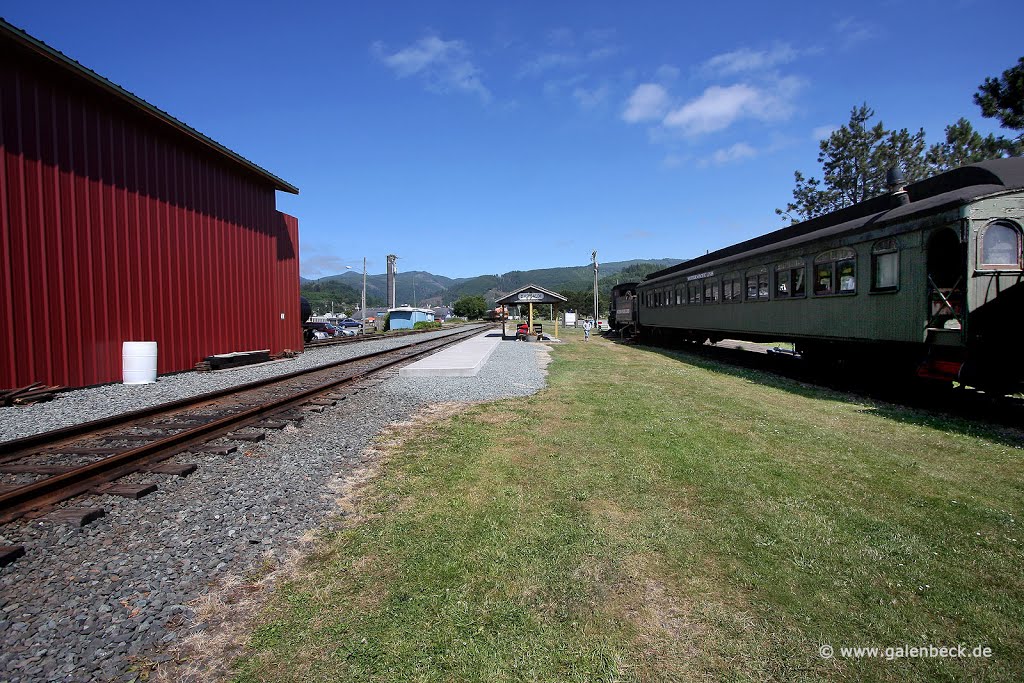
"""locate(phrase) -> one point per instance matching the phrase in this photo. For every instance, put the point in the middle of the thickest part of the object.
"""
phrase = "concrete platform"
(462, 360)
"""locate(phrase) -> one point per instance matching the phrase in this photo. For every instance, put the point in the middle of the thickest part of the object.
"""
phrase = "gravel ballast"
(103, 602)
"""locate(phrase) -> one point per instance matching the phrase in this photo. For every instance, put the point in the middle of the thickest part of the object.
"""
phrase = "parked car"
(311, 331)
(349, 323)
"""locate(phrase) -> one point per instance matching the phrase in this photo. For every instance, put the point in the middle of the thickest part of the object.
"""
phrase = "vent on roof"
(897, 186)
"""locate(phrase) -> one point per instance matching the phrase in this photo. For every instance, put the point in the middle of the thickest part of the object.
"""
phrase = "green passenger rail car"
(930, 273)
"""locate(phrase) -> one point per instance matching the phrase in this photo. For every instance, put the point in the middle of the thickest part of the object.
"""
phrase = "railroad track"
(361, 337)
(89, 458)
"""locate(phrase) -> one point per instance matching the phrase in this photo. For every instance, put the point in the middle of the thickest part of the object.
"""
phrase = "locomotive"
(928, 276)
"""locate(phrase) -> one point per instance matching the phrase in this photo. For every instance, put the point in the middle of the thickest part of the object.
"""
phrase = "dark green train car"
(930, 273)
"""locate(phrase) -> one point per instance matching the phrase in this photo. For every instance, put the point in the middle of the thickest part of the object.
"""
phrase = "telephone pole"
(362, 303)
(593, 256)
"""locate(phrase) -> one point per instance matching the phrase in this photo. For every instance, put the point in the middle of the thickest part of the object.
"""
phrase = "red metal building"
(120, 223)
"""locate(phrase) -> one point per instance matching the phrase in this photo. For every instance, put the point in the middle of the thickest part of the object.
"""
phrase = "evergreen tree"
(964, 145)
(854, 161)
(1003, 98)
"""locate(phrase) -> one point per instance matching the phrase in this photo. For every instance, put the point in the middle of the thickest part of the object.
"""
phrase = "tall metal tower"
(392, 272)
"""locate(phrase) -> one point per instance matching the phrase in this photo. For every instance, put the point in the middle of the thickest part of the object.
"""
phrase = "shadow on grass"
(948, 410)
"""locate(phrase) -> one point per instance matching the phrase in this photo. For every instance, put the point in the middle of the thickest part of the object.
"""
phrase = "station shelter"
(529, 296)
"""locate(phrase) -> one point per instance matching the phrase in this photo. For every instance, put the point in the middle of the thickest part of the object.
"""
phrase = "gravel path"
(97, 603)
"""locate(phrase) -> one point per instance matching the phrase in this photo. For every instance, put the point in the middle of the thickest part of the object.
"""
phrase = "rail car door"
(947, 286)
(946, 280)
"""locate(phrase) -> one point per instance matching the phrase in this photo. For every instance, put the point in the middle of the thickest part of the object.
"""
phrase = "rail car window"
(789, 279)
(885, 266)
(835, 272)
(1000, 246)
(732, 289)
(711, 291)
(679, 295)
(757, 284)
(693, 293)
(668, 296)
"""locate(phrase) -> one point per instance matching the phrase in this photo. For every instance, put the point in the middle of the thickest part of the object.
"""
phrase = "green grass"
(655, 516)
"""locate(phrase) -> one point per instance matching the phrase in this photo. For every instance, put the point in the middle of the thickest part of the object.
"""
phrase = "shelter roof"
(17, 36)
(531, 294)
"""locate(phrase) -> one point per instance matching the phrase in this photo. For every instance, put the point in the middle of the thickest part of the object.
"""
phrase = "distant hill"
(427, 289)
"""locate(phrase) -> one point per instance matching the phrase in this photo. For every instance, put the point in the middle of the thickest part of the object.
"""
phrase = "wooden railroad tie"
(9, 553)
(76, 516)
(254, 436)
(174, 469)
(133, 491)
(220, 450)
(35, 469)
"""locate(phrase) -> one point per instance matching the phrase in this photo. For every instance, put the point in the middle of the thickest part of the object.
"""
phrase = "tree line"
(855, 158)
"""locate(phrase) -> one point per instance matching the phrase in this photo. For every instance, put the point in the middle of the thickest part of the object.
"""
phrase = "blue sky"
(473, 138)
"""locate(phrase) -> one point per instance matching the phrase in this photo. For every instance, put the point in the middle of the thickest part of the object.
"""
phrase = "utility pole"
(593, 256)
(362, 303)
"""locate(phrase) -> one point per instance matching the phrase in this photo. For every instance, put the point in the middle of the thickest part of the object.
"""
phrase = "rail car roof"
(945, 190)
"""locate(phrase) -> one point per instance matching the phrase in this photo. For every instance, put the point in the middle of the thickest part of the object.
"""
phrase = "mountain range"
(420, 288)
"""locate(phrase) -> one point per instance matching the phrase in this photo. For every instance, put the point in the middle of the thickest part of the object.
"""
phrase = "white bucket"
(138, 362)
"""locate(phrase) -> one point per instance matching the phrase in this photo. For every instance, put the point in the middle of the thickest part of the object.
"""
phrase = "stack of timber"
(33, 393)
(233, 360)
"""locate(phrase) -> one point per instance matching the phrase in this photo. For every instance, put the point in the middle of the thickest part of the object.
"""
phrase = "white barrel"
(138, 362)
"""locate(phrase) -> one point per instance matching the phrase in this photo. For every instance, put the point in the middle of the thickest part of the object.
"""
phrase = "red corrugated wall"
(113, 229)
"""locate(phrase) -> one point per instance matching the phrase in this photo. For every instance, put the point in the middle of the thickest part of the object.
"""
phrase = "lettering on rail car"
(698, 276)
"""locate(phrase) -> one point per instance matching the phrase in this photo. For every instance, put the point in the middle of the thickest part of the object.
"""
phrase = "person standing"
(586, 330)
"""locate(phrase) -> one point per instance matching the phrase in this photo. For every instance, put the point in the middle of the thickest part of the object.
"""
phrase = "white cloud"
(744, 59)
(718, 107)
(666, 73)
(853, 32)
(443, 65)
(649, 101)
(822, 132)
(566, 52)
(588, 99)
(737, 152)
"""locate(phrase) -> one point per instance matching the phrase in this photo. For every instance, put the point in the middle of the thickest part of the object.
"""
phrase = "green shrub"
(424, 325)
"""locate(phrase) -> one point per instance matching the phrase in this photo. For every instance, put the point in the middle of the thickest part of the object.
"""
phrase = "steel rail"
(16, 447)
(45, 492)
